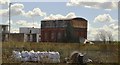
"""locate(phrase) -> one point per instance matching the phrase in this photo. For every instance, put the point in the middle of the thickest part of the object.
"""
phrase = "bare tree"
(101, 35)
(110, 36)
(104, 36)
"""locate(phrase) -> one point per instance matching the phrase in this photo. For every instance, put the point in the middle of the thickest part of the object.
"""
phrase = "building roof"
(3, 25)
(29, 28)
(76, 18)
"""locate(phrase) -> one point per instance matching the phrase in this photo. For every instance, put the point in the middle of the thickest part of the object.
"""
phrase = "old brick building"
(54, 30)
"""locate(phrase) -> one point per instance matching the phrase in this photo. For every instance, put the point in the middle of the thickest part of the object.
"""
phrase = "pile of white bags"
(45, 57)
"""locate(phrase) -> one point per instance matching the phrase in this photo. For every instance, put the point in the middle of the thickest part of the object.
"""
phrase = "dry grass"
(97, 52)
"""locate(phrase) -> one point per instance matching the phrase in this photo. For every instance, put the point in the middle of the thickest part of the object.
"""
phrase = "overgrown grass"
(97, 52)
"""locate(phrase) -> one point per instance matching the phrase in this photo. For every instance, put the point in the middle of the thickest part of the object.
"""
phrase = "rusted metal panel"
(51, 34)
(79, 24)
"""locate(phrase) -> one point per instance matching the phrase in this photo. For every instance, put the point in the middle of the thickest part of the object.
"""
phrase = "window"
(42, 25)
(30, 31)
(63, 24)
(46, 36)
(54, 24)
(52, 35)
(47, 24)
(59, 35)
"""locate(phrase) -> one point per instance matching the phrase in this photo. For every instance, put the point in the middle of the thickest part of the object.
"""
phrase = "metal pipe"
(9, 19)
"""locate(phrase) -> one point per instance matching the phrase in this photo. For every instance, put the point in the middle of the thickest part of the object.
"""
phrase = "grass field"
(99, 53)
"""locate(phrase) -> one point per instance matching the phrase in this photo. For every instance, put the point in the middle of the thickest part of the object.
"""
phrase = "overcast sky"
(101, 14)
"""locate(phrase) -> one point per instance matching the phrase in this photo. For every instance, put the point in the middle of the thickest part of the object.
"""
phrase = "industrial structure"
(31, 34)
(55, 30)
(4, 32)
(50, 31)
(26, 34)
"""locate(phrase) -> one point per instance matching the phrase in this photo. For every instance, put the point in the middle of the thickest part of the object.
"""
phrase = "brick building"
(54, 30)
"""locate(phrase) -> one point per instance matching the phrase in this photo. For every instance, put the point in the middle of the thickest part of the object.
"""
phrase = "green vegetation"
(97, 52)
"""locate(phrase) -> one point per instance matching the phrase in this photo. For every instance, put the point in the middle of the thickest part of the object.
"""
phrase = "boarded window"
(59, 35)
(46, 36)
(52, 35)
